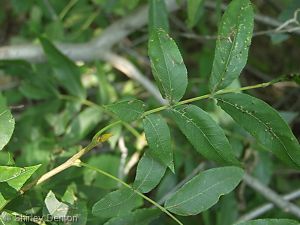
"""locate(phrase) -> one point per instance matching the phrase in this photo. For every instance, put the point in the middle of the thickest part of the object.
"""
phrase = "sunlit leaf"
(14, 181)
(7, 123)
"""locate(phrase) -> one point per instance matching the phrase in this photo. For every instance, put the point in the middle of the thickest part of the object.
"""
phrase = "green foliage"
(269, 222)
(264, 123)
(12, 180)
(158, 16)
(194, 11)
(65, 71)
(159, 139)
(138, 217)
(64, 113)
(234, 38)
(204, 190)
(127, 110)
(148, 173)
(204, 134)
(117, 203)
(7, 123)
(167, 65)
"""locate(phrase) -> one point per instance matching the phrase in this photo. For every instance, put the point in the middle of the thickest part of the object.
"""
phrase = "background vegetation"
(63, 63)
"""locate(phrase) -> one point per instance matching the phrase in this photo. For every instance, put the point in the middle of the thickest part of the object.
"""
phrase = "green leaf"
(269, 222)
(234, 38)
(204, 134)
(65, 70)
(82, 124)
(15, 180)
(194, 11)
(264, 123)
(159, 139)
(117, 203)
(204, 190)
(149, 173)
(138, 217)
(127, 110)
(7, 123)
(167, 65)
(54, 207)
(7, 173)
(107, 163)
(158, 15)
(6, 159)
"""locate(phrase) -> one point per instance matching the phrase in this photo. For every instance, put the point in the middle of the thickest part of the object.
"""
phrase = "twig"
(133, 72)
(258, 17)
(124, 154)
(89, 51)
(272, 196)
(266, 207)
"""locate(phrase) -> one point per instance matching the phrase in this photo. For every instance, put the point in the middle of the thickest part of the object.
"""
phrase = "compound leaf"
(204, 190)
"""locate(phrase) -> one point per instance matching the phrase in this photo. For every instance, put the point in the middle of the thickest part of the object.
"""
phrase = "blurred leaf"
(138, 217)
(167, 65)
(54, 207)
(82, 124)
(107, 163)
(10, 188)
(234, 38)
(158, 137)
(6, 159)
(269, 222)
(194, 11)
(158, 16)
(127, 110)
(204, 190)
(204, 134)
(228, 211)
(264, 123)
(7, 123)
(117, 203)
(149, 173)
(65, 71)
(264, 167)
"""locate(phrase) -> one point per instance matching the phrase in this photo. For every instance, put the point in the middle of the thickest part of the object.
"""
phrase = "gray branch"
(272, 196)
(266, 207)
